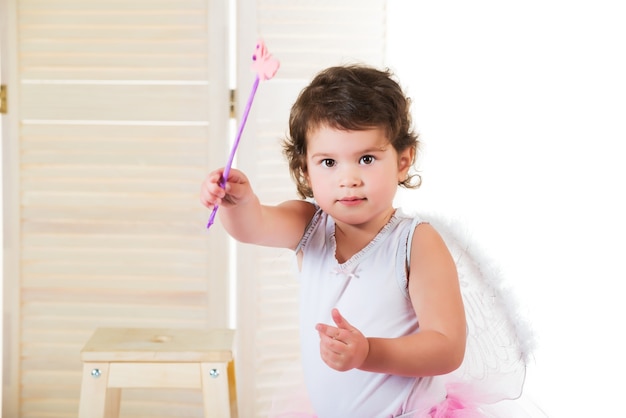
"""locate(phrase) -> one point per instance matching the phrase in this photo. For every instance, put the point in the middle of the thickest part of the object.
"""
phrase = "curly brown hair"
(351, 97)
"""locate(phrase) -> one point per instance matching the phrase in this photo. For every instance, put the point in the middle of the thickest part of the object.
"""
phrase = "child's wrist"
(365, 363)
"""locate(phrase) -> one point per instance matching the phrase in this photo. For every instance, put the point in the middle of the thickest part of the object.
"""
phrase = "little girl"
(381, 310)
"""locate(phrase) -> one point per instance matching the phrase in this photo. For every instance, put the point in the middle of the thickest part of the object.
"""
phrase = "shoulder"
(284, 224)
(431, 264)
(303, 208)
(426, 242)
(420, 233)
(426, 248)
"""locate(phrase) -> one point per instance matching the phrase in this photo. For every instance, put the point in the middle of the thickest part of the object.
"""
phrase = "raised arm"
(247, 220)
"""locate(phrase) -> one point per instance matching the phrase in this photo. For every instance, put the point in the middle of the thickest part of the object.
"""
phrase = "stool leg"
(232, 389)
(96, 399)
(112, 403)
(216, 385)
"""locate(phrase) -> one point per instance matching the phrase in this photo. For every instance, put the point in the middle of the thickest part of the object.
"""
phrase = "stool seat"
(117, 358)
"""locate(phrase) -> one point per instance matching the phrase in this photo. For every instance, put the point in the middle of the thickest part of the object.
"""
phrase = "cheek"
(317, 183)
(316, 175)
(320, 185)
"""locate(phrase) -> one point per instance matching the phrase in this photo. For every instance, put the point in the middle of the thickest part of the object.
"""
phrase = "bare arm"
(271, 226)
(247, 220)
(437, 348)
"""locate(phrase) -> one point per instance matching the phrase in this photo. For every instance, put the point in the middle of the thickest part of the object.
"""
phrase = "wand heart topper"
(266, 67)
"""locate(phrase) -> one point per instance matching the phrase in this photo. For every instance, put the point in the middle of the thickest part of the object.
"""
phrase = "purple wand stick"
(235, 145)
(266, 67)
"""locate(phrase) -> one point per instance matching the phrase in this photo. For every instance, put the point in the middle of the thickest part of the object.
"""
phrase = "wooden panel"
(114, 40)
(123, 107)
(95, 102)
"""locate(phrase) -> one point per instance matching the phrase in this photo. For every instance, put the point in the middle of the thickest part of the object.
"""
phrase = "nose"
(349, 177)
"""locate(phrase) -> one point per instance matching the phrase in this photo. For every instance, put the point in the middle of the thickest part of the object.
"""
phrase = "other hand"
(342, 347)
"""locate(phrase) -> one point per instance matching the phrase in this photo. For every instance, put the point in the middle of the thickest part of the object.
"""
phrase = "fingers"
(211, 193)
(215, 192)
(342, 347)
(340, 321)
(334, 352)
(336, 333)
(331, 333)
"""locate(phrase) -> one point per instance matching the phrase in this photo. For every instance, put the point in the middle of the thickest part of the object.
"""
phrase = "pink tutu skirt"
(456, 405)
(460, 402)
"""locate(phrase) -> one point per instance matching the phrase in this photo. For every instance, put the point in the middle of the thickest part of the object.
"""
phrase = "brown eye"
(367, 159)
(328, 162)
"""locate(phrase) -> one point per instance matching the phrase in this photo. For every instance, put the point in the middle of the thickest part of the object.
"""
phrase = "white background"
(521, 107)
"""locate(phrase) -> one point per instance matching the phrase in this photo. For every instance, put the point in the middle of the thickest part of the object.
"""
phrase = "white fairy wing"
(499, 340)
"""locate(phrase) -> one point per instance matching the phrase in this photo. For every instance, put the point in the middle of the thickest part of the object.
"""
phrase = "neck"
(350, 239)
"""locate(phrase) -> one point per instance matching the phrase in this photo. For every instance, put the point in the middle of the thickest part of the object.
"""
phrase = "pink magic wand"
(265, 66)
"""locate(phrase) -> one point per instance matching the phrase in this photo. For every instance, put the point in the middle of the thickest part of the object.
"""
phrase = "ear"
(405, 160)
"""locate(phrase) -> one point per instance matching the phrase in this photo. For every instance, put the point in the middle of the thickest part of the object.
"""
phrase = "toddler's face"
(354, 174)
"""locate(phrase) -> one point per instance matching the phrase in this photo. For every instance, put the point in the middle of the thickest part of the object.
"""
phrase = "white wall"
(522, 111)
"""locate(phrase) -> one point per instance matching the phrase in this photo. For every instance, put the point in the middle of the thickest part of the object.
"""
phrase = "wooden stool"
(116, 358)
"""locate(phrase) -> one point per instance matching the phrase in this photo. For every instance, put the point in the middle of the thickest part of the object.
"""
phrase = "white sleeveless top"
(370, 291)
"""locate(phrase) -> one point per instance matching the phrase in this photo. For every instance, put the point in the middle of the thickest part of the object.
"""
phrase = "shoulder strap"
(309, 229)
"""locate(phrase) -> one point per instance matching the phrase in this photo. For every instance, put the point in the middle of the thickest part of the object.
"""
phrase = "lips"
(351, 201)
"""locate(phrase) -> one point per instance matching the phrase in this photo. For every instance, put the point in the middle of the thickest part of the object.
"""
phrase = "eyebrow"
(362, 152)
